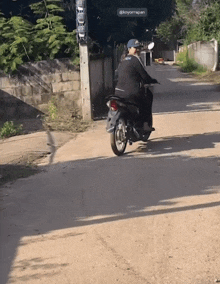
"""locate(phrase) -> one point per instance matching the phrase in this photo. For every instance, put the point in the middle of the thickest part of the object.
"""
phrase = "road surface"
(150, 216)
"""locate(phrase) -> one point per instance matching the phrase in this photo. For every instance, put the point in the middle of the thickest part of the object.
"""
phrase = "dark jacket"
(131, 77)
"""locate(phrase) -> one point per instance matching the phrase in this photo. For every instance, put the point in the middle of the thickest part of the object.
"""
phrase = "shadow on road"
(101, 190)
(179, 144)
(11, 172)
(158, 179)
(180, 92)
(185, 99)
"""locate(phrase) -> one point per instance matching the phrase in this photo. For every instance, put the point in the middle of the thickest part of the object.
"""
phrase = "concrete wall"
(205, 53)
(29, 91)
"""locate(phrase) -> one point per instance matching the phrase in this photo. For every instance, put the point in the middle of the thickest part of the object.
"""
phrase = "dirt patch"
(213, 77)
(41, 139)
(209, 76)
(66, 123)
(61, 123)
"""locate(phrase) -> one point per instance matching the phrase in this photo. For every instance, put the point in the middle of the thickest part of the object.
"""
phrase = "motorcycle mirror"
(151, 45)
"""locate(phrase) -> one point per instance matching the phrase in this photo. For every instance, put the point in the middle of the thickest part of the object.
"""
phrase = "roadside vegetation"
(22, 41)
(192, 20)
(209, 76)
(57, 118)
(9, 129)
(189, 65)
(200, 72)
(64, 122)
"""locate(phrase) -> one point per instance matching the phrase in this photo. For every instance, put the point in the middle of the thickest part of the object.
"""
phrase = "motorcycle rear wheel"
(118, 138)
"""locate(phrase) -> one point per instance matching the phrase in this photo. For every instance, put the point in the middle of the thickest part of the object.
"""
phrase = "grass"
(58, 118)
(52, 109)
(9, 129)
(209, 76)
(65, 122)
(189, 65)
(198, 71)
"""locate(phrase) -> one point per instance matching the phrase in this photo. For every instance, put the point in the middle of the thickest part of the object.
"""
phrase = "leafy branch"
(22, 41)
(192, 21)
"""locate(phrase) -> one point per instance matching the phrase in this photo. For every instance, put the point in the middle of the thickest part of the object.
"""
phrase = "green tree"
(198, 20)
(171, 30)
(209, 24)
(16, 42)
(22, 41)
(51, 37)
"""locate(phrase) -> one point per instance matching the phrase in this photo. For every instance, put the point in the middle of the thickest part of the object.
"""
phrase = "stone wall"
(29, 91)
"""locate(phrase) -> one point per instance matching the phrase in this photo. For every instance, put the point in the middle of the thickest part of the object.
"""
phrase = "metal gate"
(102, 84)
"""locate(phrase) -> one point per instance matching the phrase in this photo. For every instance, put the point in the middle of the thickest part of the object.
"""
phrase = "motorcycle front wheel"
(118, 138)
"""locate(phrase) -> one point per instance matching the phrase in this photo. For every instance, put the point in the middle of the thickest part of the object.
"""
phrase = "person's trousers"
(146, 102)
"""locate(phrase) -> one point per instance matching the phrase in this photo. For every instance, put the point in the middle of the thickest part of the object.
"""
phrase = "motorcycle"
(124, 123)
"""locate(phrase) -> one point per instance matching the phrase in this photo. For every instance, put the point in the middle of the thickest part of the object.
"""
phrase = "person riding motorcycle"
(132, 76)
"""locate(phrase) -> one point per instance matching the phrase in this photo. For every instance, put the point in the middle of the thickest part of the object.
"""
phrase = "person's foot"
(148, 128)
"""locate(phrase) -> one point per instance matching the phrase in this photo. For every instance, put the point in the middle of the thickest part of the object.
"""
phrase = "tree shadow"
(33, 266)
(102, 190)
(14, 108)
(179, 92)
(12, 172)
(179, 144)
(152, 181)
(182, 99)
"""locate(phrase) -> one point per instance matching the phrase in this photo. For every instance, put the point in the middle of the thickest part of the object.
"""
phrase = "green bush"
(181, 56)
(200, 69)
(9, 129)
(192, 21)
(22, 41)
(189, 65)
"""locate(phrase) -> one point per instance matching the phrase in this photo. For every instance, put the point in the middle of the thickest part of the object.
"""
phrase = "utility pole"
(82, 38)
(85, 82)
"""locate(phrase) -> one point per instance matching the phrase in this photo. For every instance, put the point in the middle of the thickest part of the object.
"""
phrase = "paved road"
(151, 216)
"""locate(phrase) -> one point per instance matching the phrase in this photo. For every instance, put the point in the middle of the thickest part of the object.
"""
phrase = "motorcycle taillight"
(114, 105)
